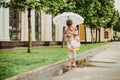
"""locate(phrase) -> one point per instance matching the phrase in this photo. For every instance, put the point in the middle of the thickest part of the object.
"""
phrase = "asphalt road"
(103, 66)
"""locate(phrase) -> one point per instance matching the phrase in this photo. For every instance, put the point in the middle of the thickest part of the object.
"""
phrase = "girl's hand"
(69, 35)
(74, 35)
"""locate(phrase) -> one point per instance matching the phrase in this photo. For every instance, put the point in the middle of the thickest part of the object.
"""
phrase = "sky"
(117, 5)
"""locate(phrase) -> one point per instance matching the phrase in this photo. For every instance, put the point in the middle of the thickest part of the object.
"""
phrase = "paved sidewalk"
(103, 66)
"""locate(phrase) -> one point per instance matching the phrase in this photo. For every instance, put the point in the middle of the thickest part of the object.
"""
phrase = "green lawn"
(13, 62)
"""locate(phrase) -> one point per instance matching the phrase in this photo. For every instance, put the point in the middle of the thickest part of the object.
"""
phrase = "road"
(103, 66)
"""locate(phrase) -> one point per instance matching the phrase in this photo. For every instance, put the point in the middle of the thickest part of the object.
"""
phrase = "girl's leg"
(69, 58)
(74, 58)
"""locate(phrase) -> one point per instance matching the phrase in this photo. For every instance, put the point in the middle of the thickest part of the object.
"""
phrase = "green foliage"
(117, 25)
(17, 5)
(114, 19)
(23, 5)
(97, 13)
(108, 11)
(49, 6)
(55, 8)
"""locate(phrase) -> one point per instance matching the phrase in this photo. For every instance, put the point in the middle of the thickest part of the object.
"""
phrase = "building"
(105, 34)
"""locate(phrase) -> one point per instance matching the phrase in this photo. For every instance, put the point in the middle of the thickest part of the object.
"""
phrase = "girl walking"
(73, 42)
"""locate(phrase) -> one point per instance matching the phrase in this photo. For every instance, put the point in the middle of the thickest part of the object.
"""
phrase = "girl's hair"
(69, 22)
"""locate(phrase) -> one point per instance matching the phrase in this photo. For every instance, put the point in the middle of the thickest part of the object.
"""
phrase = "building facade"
(14, 25)
(105, 34)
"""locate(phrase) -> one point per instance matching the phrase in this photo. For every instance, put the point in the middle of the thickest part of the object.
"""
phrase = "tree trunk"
(91, 35)
(53, 29)
(85, 34)
(99, 35)
(29, 31)
(115, 33)
(96, 36)
(63, 39)
(39, 27)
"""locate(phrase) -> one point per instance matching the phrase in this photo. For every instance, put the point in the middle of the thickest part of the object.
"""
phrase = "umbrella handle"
(68, 17)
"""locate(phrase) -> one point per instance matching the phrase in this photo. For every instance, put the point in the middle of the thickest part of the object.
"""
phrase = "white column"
(4, 31)
(46, 28)
(33, 24)
(42, 26)
(6, 24)
(24, 27)
(1, 24)
(88, 33)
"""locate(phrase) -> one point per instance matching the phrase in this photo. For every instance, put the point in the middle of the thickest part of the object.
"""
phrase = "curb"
(49, 71)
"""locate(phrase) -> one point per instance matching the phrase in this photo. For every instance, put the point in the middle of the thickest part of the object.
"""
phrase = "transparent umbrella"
(62, 18)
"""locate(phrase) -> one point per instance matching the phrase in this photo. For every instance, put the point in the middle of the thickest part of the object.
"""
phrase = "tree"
(114, 19)
(86, 9)
(107, 13)
(80, 8)
(116, 27)
(96, 13)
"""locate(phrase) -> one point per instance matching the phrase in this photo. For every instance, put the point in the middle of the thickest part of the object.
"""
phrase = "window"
(15, 25)
(106, 34)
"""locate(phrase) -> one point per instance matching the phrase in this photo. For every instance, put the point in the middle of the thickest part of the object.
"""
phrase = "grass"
(17, 61)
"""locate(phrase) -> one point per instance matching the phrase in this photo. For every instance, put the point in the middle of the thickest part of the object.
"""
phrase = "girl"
(73, 42)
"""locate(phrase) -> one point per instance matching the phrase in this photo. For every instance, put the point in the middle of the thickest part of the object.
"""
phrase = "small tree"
(28, 5)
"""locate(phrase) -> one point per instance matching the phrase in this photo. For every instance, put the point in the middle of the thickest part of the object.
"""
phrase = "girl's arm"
(75, 32)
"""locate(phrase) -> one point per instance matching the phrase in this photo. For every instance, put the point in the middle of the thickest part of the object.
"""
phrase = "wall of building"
(110, 34)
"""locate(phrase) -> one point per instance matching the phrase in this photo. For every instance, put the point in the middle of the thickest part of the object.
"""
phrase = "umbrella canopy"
(62, 18)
